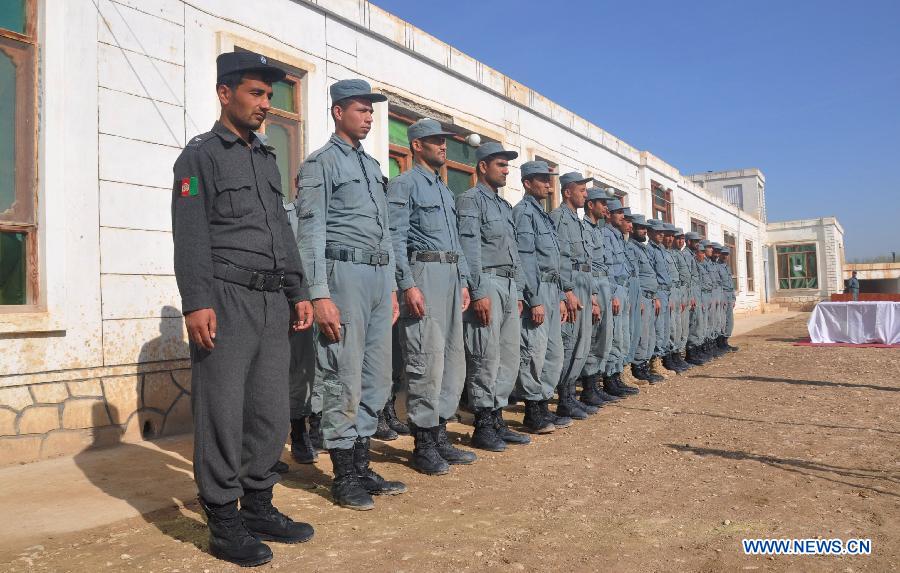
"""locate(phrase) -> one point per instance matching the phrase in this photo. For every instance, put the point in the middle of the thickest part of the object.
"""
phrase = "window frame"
(667, 209)
(748, 262)
(554, 198)
(732, 258)
(809, 255)
(697, 224)
(23, 51)
(293, 123)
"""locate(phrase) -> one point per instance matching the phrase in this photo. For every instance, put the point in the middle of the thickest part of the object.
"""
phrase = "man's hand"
(563, 312)
(573, 304)
(616, 306)
(595, 310)
(201, 327)
(415, 302)
(537, 314)
(482, 308)
(671, 305)
(328, 318)
(521, 305)
(303, 316)
(395, 308)
(466, 300)
(656, 306)
(693, 303)
(642, 308)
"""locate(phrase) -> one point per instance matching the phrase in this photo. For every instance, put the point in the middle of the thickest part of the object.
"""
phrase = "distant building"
(805, 261)
(744, 188)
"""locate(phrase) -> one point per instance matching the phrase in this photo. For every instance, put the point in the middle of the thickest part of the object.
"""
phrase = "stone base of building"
(55, 418)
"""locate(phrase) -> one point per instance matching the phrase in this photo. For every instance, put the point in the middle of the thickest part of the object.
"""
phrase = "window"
(731, 242)
(284, 130)
(734, 194)
(748, 259)
(553, 199)
(459, 171)
(662, 202)
(699, 227)
(18, 110)
(797, 266)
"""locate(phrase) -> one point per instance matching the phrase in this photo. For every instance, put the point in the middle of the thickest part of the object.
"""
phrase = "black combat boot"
(383, 430)
(682, 362)
(566, 406)
(451, 455)
(589, 392)
(302, 449)
(280, 467)
(535, 420)
(610, 387)
(269, 524)
(485, 435)
(426, 458)
(669, 364)
(724, 344)
(714, 348)
(505, 434)
(588, 408)
(346, 488)
(617, 380)
(693, 356)
(229, 539)
(557, 421)
(315, 432)
(368, 478)
(390, 414)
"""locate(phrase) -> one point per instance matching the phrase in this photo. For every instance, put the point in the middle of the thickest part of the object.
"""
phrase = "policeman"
(853, 286)
(728, 295)
(541, 347)
(239, 276)
(712, 252)
(692, 255)
(491, 326)
(683, 311)
(620, 272)
(668, 244)
(596, 214)
(579, 289)
(649, 307)
(660, 261)
(348, 265)
(433, 277)
(632, 309)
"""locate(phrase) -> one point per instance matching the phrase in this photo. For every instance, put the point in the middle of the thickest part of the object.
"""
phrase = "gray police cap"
(638, 219)
(572, 177)
(425, 127)
(356, 88)
(492, 148)
(614, 205)
(716, 246)
(598, 194)
(726, 251)
(627, 212)
(679, 231)
(530, 168)
(657, 225)
(692, 236)
(704, 243)
(669, 228)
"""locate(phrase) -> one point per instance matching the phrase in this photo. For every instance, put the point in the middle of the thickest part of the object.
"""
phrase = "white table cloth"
(855, 322)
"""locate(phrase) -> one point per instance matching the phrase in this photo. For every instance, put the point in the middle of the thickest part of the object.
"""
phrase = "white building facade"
(806, 261)
(92, 347)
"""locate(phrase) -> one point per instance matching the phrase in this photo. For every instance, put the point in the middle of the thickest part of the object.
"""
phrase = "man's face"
(723, 258)
(679, 243)
(596, 209)
(538, 186)
(615, 219)
(626, 226)
(577, 193)
(432, 149)
(656, 236)
(668, 240)
(355, 120)
(709, 252)
(495, 171)
(247, 105)
(640, 233)
(693, 244)
(701, 255)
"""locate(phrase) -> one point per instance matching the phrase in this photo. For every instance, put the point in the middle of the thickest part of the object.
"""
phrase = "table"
(855, 322)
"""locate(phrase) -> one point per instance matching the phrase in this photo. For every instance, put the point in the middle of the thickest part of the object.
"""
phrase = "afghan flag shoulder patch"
(189, 187)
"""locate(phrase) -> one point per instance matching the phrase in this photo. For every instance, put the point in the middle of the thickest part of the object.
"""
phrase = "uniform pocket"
(492, 226)
(234, 197)
(349, 193)
(431, 217)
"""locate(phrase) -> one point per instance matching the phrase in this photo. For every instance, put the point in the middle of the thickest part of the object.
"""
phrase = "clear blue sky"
(807, 91)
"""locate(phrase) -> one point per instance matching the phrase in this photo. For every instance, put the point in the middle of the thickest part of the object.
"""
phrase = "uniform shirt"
(853, 283)
(708, 280)
(574, 244)
(227, 208)
(726, 280)
(645, 271)
(670, 255)
(693, 271)
(340, 203)
(599, 262)
(488, 236)
(684, 269)
(660, 263)
(619, 265)
(538, 247)
(423, 218)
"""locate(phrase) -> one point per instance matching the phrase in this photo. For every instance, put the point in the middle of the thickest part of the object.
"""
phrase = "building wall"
(752, 181)
(126, 83)
(828, 236)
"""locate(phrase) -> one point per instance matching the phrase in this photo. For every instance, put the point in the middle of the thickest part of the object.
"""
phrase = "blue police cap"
(492, 148)
(598, 193)
(627, 212)
(242, 62)
(572, 177)
(638, 220)
(425, 127)
(716, 246)
(726, 251)
(355, 88)
(704, 243)
(530, 168)
(692, 236)
(657, 225)
(614, 205)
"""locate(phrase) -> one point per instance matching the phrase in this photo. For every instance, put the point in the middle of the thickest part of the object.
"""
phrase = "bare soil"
(774, 441)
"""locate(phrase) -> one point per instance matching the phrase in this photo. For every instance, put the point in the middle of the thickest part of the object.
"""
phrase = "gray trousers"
(492, 351)
(355, 371)
(686, 297)
(854, 294)
(697, 321)
(676, 298)
(601, 331)
(718, 313)
(621, 334)
(647, 339)
(541, 348)
(432, 346)
(663, 324)
(729, 316)
(634, 318)
(576, 336)
(239, 394)
(305, 389)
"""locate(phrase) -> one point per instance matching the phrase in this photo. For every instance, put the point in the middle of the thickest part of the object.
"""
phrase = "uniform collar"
(231, 137)
(344, 146)
(428, 174)
(534, 202)
(486, 189)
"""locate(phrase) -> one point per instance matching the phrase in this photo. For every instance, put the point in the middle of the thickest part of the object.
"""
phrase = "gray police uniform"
(541, 347)
(633, 308)
(687, 294)
(429, 257)
(680, 313)
(853, 287)
(664, 279)
(728, 297)
(235, 254)
(718, 300)
(707, 284)
(696, 324)
(619, 274)
(645, 309)
(602, 330)
(488, 238)
(575, 273)
(347, 255)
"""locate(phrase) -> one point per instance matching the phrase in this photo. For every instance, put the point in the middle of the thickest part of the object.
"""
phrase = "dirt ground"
(775, 441)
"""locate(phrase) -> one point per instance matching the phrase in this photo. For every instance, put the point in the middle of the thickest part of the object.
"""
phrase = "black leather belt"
(599, 274)
(254, 280)
(502, 272)
(434, 256)
(375, 258)
(550, 277)
(583, 267)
